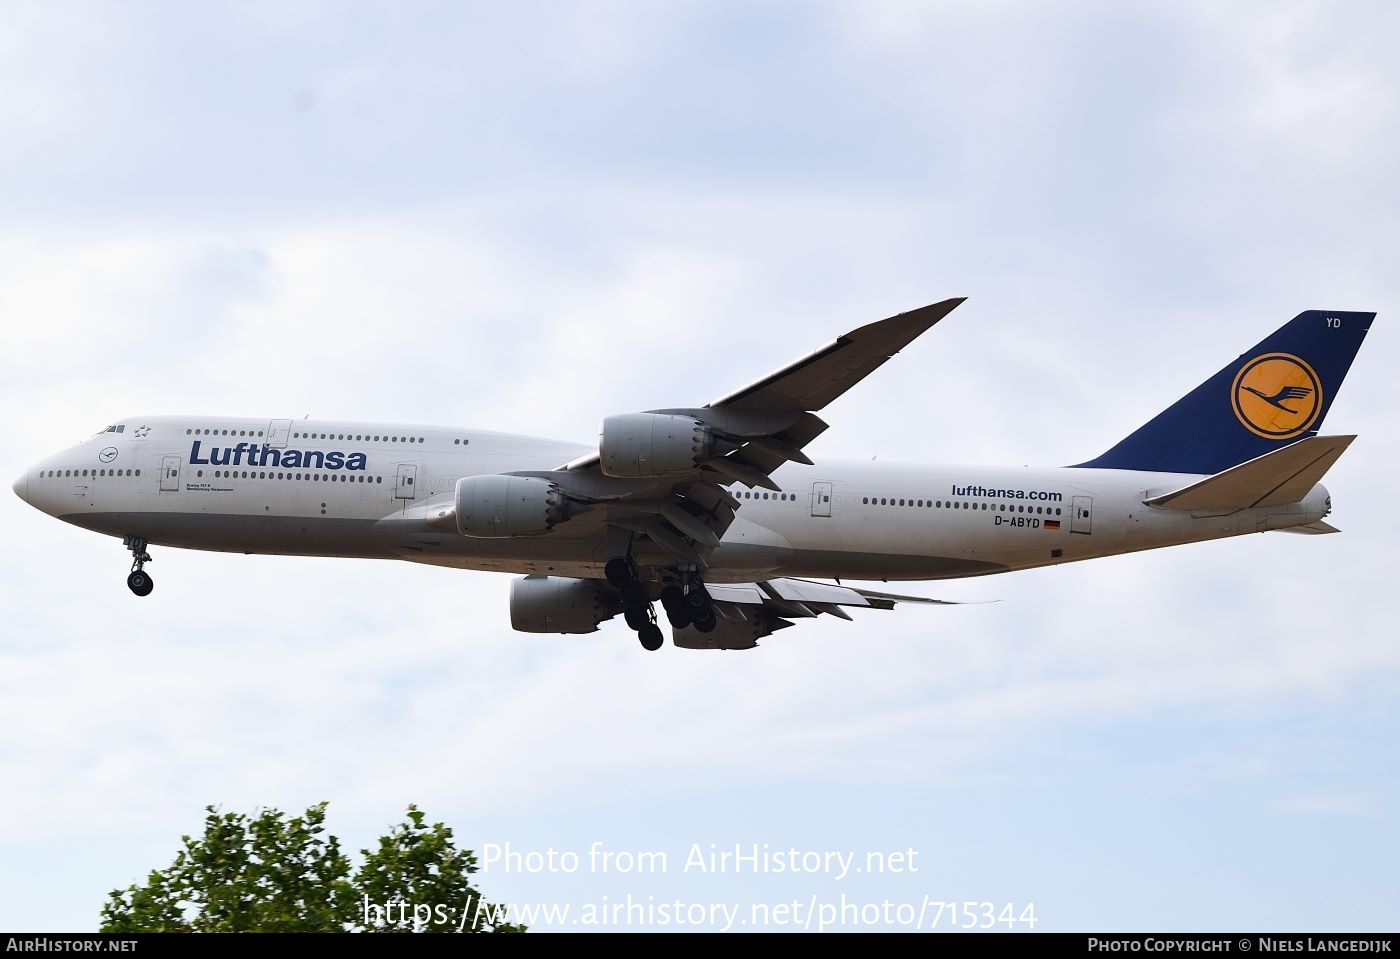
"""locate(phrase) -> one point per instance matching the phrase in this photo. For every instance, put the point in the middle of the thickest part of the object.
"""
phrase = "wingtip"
(943, 306)
(952, 302)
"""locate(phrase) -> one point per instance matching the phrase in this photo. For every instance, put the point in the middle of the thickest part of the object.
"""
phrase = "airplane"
(715, 511)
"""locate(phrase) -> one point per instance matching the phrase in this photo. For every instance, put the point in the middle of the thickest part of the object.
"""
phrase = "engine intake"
(557, 604)
(639, 445)
(499, 506)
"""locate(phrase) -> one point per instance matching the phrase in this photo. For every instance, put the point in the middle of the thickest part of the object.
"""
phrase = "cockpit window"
(121, 428)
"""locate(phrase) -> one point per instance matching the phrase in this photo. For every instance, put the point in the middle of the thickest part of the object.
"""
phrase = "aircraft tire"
(650, 637)
(634, 594)
(616, 572)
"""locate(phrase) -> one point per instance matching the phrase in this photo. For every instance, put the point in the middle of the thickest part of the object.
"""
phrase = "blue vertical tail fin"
(1272, 395)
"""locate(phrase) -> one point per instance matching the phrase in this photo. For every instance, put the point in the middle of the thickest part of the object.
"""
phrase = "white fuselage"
(370, 490)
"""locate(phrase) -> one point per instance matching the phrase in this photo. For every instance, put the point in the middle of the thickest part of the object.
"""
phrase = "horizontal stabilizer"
(1274, 479)
(1312, 529)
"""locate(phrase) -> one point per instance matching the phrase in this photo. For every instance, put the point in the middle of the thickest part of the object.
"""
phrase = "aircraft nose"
(22, 486)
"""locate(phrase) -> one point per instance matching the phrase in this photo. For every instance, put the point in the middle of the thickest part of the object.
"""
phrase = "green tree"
(271, 873)
(416, 865)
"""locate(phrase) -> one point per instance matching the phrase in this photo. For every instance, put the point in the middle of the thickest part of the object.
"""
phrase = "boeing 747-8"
(715, 511)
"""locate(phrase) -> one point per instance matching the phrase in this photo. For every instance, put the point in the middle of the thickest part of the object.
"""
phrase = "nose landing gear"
(139, 582)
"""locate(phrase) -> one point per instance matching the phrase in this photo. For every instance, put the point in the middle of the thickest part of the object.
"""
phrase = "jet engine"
(500, 506)
(640, 445)
(557, 604)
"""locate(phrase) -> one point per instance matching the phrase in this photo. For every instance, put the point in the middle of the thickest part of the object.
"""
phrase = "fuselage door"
(406, 481)
(821, 499)
(169, 474)
(277, 432)
(1081, 520)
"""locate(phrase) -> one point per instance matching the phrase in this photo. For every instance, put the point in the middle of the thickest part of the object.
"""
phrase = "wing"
(747, 612)
(680, 515)
(821, 376)
(816, 379)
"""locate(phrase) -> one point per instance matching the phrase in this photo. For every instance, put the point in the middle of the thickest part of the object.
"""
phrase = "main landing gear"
(688, 605)
(636, 604)
(139, 582)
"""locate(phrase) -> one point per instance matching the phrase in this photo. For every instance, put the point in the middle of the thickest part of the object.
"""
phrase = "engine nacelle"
(557, 604)
(653, 444)
(500, 506)
(742, 632)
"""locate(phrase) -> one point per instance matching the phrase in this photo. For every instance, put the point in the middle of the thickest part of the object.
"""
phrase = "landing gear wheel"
(673, 601)
(633, 593)
(699, 608)
(636, 601)
(617, 572)
(138, 582)
(650, 637)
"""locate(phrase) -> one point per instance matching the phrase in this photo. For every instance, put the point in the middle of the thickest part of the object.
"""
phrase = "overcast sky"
(526, 216)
